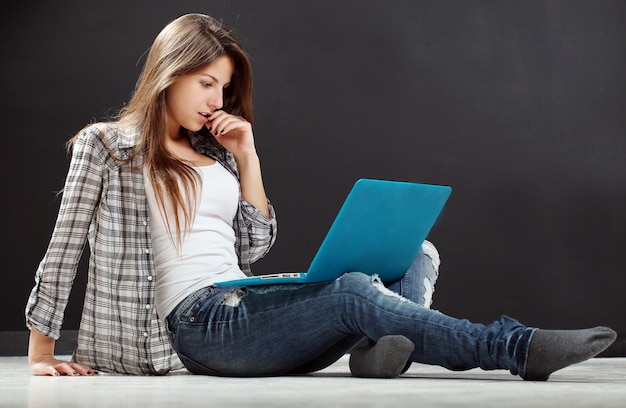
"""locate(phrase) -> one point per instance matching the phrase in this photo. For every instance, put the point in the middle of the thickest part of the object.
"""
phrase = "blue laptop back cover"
(379, 229)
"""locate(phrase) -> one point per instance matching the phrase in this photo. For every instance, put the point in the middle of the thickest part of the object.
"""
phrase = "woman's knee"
(429, 249)
(361, 284)
(354, 279)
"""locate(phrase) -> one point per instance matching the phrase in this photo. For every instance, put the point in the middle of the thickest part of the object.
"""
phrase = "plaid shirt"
(104, 202)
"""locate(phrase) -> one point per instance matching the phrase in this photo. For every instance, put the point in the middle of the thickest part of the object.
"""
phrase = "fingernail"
(222, 131)
(96, 372)
(56, 373)
(88, 372)
(211, 128)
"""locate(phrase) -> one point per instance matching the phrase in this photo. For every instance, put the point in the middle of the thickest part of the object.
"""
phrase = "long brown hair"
(184, 46)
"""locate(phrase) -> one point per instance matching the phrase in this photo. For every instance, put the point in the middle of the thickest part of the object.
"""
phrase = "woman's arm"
(255, 224)
(56, 272)
(235, 134)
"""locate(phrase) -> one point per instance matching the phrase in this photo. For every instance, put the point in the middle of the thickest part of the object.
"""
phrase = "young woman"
(171, 199)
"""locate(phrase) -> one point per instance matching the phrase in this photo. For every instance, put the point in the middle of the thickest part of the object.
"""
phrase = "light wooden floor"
(598, 383)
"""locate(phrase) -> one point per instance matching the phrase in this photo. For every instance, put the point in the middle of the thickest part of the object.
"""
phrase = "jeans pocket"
(188, 307)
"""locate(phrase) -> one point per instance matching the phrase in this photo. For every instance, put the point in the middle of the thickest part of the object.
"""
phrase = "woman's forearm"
(252, 189)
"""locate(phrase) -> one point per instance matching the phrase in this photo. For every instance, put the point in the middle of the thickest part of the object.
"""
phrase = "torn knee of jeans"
(234, 298)
(429, 289)
(378, 284)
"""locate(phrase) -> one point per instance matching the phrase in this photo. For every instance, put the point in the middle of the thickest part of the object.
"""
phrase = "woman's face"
(194, 97)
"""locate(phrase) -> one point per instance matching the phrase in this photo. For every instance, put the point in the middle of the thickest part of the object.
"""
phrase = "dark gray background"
(518, 105)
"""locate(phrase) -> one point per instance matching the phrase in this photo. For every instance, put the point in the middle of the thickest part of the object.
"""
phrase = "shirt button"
(145, 334)
(145, 223)
(148, 307)
(147, 251)
(150, 278)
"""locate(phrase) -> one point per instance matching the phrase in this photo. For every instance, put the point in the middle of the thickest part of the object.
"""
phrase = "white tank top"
(208, 250)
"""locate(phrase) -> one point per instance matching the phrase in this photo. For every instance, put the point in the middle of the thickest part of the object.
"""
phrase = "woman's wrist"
(40, 347)
(246, 159)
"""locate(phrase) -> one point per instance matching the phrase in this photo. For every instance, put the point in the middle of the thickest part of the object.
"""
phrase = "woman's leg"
(390, 357)
(272, 330)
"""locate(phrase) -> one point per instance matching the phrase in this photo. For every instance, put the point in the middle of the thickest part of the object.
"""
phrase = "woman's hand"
(233, 132)
(42, 362)
(48, 365)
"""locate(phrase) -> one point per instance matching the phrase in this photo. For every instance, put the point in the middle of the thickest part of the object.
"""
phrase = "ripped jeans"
(418, 283)
(301, 328)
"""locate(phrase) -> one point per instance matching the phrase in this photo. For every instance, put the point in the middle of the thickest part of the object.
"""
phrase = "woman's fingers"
(65, 369)
(223, 122)
(80, 369)
(73, 369)
(233, 132)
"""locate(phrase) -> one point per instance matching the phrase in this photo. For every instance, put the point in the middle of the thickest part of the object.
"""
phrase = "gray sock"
(385, 359)
(551, 350)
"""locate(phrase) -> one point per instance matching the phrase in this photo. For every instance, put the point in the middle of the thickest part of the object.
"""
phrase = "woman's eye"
(206, 84)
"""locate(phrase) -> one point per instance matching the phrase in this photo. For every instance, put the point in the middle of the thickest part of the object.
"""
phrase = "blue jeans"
(294, 328)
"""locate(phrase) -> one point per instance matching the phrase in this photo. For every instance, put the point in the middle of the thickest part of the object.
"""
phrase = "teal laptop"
(379, 230)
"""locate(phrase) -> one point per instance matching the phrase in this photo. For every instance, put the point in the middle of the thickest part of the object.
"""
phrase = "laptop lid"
(379, 229)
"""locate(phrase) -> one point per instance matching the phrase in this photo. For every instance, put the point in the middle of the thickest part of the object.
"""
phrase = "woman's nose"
(216, 101)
